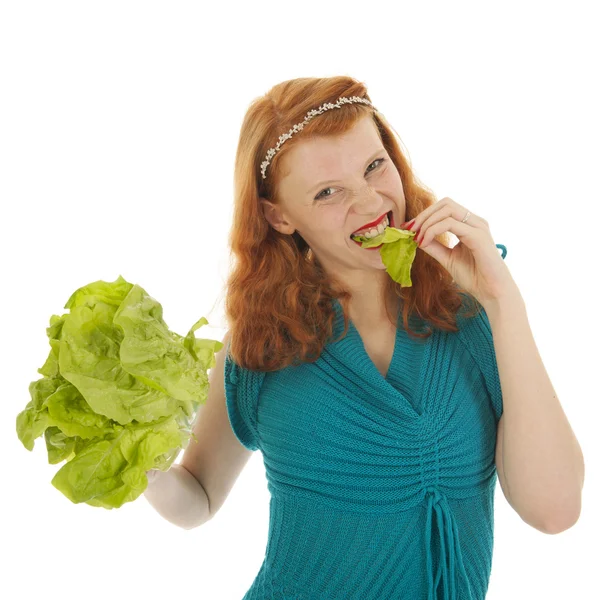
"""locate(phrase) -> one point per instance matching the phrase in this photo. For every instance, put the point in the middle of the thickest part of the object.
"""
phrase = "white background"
(119, 123)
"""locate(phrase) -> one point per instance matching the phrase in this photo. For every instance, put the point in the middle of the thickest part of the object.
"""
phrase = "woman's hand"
(474, 263)
(151, 475)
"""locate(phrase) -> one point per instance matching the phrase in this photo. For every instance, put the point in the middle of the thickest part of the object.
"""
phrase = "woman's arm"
(178, 497)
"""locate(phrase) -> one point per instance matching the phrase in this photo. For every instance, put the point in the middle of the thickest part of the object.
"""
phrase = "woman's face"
(334, 186)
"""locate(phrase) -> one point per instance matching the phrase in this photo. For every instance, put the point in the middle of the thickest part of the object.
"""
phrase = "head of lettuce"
(118, 395)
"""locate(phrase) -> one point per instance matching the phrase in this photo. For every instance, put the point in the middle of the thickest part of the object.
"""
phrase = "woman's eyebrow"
(369, 160)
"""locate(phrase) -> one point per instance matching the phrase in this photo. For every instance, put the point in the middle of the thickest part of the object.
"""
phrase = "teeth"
(375, 231)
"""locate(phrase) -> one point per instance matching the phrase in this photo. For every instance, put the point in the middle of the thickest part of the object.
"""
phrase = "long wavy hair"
(278, 298)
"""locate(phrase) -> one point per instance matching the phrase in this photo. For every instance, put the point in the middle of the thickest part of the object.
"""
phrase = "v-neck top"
(380, 487)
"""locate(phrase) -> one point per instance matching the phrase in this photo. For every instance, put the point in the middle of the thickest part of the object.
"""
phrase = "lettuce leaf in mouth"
(398, 251)
(119, 393)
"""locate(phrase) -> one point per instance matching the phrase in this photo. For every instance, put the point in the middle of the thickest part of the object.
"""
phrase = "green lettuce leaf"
(60, 446)
(119, 393)
(397, 252)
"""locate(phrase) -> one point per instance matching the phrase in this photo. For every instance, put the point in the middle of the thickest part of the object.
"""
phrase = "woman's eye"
(376, 160)
(320, 194)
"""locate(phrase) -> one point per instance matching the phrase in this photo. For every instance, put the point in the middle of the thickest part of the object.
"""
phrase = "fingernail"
(411, 224)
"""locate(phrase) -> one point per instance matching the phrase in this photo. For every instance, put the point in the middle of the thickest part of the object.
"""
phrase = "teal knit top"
(381, 487)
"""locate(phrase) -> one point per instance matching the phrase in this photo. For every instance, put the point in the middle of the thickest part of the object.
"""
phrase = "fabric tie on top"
(448, 533)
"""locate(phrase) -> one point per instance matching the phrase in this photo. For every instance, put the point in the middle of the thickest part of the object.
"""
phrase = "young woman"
(378, 408)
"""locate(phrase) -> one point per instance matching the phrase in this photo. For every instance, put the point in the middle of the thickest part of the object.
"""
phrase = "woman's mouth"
(390, 216)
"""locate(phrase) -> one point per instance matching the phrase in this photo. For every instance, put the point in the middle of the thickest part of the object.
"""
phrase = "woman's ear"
(275, 217)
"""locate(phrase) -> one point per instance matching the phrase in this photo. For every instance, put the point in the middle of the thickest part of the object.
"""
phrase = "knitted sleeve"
(242, 388)
(487, 356)
(488, 364)
(477, 333)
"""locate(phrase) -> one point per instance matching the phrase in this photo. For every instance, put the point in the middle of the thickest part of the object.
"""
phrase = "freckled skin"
(364, 188)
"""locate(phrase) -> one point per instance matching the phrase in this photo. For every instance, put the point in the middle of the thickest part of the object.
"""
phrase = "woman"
(378, 408)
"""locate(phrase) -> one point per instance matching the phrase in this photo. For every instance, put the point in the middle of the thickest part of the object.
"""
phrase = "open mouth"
(390, 217)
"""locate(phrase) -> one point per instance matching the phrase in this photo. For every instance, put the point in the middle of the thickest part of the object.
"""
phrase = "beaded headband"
(309, 115)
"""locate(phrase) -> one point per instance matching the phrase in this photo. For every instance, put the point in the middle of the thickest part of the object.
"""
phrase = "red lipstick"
(373, 223)
(392, 224)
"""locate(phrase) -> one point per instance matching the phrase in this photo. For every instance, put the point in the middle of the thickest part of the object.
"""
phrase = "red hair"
(279, 300)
